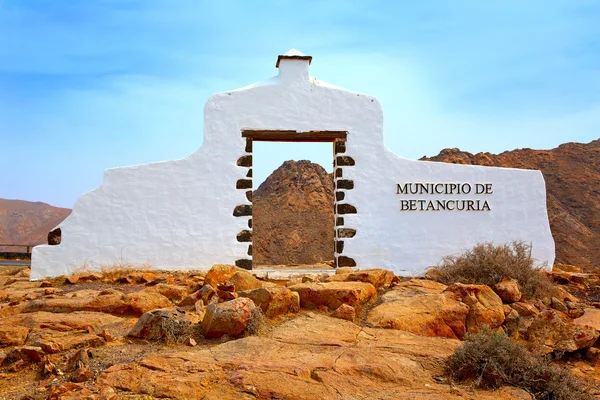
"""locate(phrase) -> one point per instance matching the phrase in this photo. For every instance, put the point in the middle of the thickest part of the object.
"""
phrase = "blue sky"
(89, 85)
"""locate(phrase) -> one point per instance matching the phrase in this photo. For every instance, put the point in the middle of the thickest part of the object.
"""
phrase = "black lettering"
(441, 205)
(486, 206)
(488, 188)
(448, 205)
(479, 188)
(413, 205)
(439, 191)
(470, 205)
(403, 205)
(401, 189)
(466, 188)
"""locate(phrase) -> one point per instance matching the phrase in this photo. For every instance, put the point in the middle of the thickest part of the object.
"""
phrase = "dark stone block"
(244, 236)
(339, 221)
(244, 161)
(249, 195)
(243, 184)
(250, 250)
(338, 173)
(346, 209)
(244, 263)
(340, 146)
(339, 246)
(343, 261)
(339, 196)
(54, 237)
(250, 223)
(248, 145)
(249, 174)
(243, 210)
(344, 184)
(346, 232)
(342, 161)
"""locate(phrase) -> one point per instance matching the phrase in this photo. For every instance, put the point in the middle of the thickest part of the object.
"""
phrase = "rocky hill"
(572, 174)
(24, 222)
(293, 216)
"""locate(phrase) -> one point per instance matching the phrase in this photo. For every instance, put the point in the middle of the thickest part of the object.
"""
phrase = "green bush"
(490, 360)
(487, 264)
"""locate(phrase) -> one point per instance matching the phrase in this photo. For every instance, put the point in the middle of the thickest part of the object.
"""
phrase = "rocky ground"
(224, 334)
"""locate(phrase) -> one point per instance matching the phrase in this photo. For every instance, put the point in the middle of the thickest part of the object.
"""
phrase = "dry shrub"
(491, 360)
(179, 331)
(486, 264)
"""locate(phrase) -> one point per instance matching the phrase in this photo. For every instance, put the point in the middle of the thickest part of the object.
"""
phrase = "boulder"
(413, 287)
(144, 301)
(220, 273)
(107, 301)
(550, 332)
(380, 278)
(208, 294)
(558, 305)
(344, 312)
(485, 306)
(508, 290)
(591, 317)
(435, 314)
(160, 324)
(171, 292)
(524, 309)
(334, 294)
(273, 301)
(344, 270)
(566, 268)
(13, 334)
(244, 280)
(228, 318)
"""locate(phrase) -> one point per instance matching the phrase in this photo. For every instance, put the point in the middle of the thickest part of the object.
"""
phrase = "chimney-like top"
(293, 54)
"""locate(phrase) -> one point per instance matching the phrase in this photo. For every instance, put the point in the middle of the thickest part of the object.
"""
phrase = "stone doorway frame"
(341, 186)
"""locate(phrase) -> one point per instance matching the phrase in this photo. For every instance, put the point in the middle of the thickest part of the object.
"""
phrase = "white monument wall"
(179, 214)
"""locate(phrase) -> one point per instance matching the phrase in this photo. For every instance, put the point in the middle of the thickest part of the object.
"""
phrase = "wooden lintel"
(294, 136)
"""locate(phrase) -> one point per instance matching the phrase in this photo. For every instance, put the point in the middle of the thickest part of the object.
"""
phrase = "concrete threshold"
(283, 274)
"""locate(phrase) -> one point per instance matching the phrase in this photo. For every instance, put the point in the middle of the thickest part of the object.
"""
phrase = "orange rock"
(591, 317)
(524, 309)
(485, 306)
(230, 317)
(220, 273)
(108, 301)
(334, 294)
(344, 312)
(380, 278)
(508, 290)
(435, 314)
(273, 301)
(171, 292)
(243, 280)
(551, 332)
(12, 334)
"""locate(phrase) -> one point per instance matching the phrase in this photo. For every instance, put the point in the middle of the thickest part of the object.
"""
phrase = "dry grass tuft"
(179, 331)
(487, 264)
(491, 360)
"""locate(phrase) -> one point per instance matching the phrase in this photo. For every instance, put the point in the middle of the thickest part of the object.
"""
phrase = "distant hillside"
(24, 222)
(293, 216)
(572, 175)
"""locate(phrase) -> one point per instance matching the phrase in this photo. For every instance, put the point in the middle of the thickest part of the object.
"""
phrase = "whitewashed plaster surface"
(179, 214)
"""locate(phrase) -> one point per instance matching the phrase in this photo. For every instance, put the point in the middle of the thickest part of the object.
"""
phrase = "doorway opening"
(295, 216)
